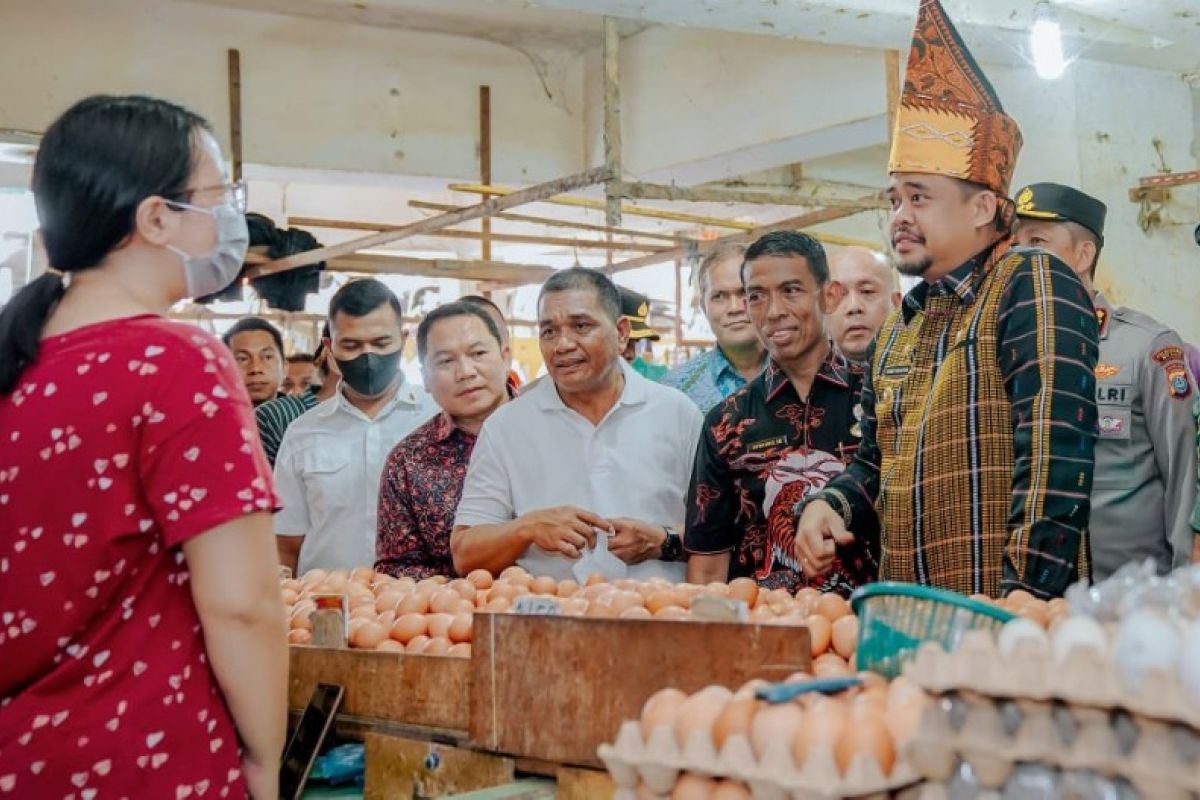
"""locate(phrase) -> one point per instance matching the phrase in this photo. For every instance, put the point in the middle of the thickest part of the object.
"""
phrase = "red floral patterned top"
(121, 442)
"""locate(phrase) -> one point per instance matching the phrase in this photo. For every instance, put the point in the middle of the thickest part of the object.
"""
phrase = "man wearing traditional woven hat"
(1145, 479)
(979, 415)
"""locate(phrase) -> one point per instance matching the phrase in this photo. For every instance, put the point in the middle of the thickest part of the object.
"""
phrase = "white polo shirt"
(327, 475)
(536, 453)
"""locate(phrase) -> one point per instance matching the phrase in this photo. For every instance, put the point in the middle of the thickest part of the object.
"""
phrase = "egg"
(417, 644)
(1146, 642)
(621, 600)
(1078, 633)
(775, 723)
(368, 635)
(544, 584)
(461, 628)
(389, 646)
(636, 612)
(444, 601)
(413, 603)
(1021, 630)
(498, 605)
(573, 607)
(845, 636)
(1037, 611)
(502, 589)
(832, 606)
(439, 625)
(673, 613)
(865, 736)
(831, 665)
(438, 646)
(820, 633)
(314, 577)
(289, 596)
(691, 786)
(1189, 661)
(661, 709)
(823, 724)
(661, 599)
(387, 601)
(599, 609)
(460, 650)
(731, 790)
(567, 588)
(699, 712)
(762, 613)
(409, 626)
(299, 636)
(480, 578)
(744, 589)
(735, 718)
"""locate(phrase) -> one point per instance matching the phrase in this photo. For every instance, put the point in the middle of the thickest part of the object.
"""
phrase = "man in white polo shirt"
(596, 449)
(330, 461)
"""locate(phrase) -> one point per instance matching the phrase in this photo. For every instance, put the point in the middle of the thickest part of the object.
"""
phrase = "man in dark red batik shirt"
(465, 365)
(781, 437)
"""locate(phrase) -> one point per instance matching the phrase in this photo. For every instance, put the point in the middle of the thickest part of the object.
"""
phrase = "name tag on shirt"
(767, 444)
(1107, 394)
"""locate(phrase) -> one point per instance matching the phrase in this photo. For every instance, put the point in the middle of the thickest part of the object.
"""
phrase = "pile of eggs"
(874, 720)
(1046, 613)
(433, 616)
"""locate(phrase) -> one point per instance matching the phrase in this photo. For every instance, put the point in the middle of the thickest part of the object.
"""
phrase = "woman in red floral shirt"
(141, 647)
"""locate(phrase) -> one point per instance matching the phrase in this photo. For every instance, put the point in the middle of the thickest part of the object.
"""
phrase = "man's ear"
(624, 329)
(831, 296)
(984, 205)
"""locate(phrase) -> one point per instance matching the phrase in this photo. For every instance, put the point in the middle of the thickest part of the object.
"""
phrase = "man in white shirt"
(328, 467)
(595, 450)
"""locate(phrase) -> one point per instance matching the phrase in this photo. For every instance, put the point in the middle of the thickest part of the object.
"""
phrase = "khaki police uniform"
(1144, 484)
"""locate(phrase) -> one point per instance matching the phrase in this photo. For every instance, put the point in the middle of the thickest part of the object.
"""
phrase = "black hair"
(253, 324)
(480, 300)
(718, 254)
(1004, 221)
(300, 358)
(1082, 233)
(450, 310)
(791, 243)
(577, 278)
(95, 165)
(360, 297)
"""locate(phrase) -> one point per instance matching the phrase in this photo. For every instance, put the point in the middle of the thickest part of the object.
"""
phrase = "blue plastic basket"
(894, 619)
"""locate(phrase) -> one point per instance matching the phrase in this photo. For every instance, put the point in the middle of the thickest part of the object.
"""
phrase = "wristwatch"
(672, 546)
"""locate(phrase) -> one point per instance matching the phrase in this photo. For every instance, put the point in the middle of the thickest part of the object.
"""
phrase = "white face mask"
(209, 274)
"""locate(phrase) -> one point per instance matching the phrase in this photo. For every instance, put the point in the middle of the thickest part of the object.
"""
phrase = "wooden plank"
(723, 194)
(513, 238)
(485, 163)
(530, 194)
(583, 784)
(417, 690)
(555, 688)
(496, 271)
(553, 222)
(235, 112)
(700, 248)
(1169, 179)
(397, 767)
(631, 210)
(524, 789)
(612, 121)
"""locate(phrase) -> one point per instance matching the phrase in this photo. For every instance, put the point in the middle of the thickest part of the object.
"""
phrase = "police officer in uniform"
(1144, 484)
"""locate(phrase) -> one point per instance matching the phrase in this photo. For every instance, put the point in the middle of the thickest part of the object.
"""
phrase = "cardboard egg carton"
(1160, 760)
(1086, 677)
(658, 763)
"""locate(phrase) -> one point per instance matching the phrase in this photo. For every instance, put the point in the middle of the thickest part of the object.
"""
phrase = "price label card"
(535, 606)
(714, 608)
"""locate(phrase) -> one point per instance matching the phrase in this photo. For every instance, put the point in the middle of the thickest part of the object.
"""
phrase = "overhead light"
(1045, 40)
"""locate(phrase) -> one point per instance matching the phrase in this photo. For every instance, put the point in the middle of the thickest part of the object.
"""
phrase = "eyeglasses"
(233, 194)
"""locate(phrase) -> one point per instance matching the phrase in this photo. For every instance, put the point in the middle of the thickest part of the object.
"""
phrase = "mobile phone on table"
(305, 744)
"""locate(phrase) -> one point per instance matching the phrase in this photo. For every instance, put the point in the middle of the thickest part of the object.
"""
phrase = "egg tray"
(659, 762)
(1086, 677)
(1068, 785)
(1161, 760)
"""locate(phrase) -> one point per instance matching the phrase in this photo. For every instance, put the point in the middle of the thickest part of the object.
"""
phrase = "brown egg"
(417, 645)
(1016, 600)
(691, 786)
(673, 613)
(289, 596)
(352, 626)
(480, 578)
(762, 613)
(832, 606)
(517, 576)
(413, 603)
(573, 607)
(866, 735)
(621, 600)
(314, 577)
(337, 580)
(823, 724)
(369, 635)
(498, 605)
(460, 650)
(595, 579)
(387, 601)
(300, 618)
(845, 636)
(386, 619)
(719, 588)
(544, 584)
(663, 598)
(444, 601)
(699, 712)
(661, 708)
(299, 636)
(389, 646)
(600, 609)
(735, 718)
(820, 633)
(461, 626)
(744, 589)
(1037, 611)
(409, 626)
(438, 646)
(363, 575)
(831, 665)
(291, 584)
(805, 606)
(636, 612)
(775, 723)
(567, 588)
(731, 790)
(502, 589)
(439, 625)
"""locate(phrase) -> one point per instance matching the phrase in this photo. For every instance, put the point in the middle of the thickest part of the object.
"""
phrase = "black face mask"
(371, 373)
